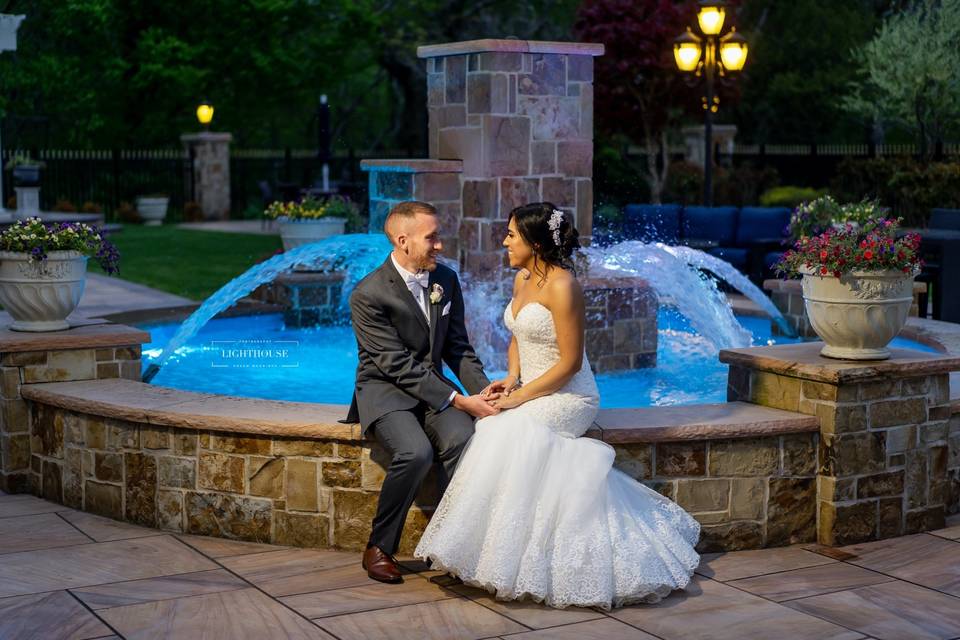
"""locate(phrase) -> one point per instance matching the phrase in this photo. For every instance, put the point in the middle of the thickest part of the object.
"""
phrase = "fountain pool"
(256, 356)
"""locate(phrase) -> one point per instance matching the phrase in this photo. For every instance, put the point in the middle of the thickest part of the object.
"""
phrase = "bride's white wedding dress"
(535, 510)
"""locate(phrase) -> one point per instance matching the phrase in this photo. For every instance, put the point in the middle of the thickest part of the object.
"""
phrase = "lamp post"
(698, 56)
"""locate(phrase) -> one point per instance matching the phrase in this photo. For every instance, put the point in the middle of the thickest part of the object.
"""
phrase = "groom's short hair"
(405, 210)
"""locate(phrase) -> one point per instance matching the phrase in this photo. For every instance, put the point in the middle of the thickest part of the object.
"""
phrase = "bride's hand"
(500, 387)
(507, 401)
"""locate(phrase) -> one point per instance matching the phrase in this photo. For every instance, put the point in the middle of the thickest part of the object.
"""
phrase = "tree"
(800, 60)
(909, 73)
(638, 91)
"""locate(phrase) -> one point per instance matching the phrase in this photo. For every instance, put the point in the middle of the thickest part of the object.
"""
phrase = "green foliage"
(909, 74)
(130, 73)
(789, 196)
(799, 61)
(910, 188)
(737, 186)
(684, 184)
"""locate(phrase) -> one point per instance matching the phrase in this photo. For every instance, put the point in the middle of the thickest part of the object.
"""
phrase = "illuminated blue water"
(255, 356)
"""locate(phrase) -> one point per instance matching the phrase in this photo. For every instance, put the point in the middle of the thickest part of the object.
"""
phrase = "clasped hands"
(494, 398)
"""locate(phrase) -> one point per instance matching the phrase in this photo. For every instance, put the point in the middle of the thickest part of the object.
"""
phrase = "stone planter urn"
(859, 313)
(295, 233)
(152, 209)
(39, 295)
(26, 175)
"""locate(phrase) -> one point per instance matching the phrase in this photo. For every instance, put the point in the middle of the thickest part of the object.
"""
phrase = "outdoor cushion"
(762, 222)
(945, 219)
(652, 222)
(736, 257)
(710, 223)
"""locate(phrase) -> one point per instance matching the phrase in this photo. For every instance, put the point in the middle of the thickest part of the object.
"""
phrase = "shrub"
(192, 211)
(789, 196)
(741, 186)
(126, 212)
(684, 184)
(907, 186)
(91, 207)
(65, 206)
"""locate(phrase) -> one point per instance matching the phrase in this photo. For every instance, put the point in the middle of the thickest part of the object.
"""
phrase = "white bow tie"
(421, 278)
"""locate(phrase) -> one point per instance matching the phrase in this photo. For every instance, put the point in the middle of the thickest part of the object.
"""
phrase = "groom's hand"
(476, 406)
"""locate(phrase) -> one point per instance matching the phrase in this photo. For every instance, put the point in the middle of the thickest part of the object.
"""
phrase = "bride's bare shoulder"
(564, 288)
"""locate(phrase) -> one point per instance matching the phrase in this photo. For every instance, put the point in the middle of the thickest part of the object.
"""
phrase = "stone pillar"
(211, 172)
(433, 181)
(28, 202)
(519, 114)
(723, 137)
(884, 433)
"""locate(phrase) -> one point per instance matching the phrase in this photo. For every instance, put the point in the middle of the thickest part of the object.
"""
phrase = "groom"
(408, 318)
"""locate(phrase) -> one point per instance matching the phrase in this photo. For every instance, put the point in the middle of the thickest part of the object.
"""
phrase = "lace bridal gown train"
(535, 510)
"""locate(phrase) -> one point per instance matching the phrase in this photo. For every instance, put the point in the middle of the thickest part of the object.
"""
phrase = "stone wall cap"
(87, 335)
(509, 46)
(804, 361)
(718, 421)
(206, 136)
(424, 165)
(162, 406)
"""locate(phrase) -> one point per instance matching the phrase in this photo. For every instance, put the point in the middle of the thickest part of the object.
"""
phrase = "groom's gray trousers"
(413, 438)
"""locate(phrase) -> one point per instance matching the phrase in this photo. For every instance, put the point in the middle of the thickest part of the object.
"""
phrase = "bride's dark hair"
(533, 225)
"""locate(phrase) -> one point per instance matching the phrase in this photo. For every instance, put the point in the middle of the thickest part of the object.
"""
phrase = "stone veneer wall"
(888, 458)
(621, 328)
(519, 114)
(20, 469)
(748, 492)
(433, 181)
(787, 296)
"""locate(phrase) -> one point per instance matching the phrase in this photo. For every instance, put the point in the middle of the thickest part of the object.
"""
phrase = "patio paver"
(164, 586)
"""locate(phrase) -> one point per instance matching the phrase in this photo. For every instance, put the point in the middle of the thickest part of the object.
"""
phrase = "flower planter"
(39, 295)
(859, 313)
(152, 209)
(26, 175)
(295, 233)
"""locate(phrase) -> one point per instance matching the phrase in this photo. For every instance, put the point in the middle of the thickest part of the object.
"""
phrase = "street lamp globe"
(733, 51)
(686, 52)
(205, 113)
(711, 15)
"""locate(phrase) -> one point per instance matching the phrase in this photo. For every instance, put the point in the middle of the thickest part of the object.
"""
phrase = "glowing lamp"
(710, 16)
(733, 51)
(686, 51)
(205, 113)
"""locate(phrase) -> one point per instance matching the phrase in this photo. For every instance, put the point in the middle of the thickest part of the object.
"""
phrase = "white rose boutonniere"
(436, 294)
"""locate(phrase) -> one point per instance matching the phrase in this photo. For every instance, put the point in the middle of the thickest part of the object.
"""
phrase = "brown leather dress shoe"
(381, 566)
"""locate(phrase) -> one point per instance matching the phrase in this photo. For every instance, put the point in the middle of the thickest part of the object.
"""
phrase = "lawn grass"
(192, 264)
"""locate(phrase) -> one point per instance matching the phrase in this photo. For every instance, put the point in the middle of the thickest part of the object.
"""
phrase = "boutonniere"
(436, 293)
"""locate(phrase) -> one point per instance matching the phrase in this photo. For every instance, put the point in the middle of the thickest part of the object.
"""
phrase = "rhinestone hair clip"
(554, 223)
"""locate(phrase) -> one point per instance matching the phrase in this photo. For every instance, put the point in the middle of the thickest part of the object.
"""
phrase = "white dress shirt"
(419, 292)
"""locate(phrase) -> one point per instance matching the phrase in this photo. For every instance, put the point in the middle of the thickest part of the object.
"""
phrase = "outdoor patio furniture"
(652, 222)
(948, 219)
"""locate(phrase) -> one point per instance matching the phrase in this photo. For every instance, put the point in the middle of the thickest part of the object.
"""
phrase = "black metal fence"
(104, 179)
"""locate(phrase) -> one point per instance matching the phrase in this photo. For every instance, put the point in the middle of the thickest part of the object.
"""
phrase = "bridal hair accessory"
(436, 294)
(554, 223)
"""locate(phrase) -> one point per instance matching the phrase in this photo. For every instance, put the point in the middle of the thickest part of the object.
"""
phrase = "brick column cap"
(805, 362)
(425, 165)
(86, 336)
(206, 136)
(509, 46)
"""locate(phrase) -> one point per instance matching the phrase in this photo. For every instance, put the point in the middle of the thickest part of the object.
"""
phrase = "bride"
(534, 509)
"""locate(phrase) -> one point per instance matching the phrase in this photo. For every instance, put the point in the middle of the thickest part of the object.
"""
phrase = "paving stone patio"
(68, 574)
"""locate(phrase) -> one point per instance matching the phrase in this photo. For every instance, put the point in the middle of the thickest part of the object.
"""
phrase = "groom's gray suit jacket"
(400, 356)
